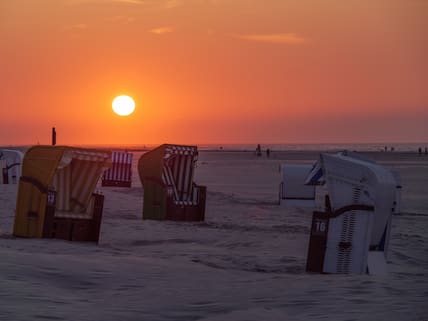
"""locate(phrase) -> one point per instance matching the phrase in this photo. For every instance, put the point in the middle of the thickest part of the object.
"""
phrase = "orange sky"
(214, 71)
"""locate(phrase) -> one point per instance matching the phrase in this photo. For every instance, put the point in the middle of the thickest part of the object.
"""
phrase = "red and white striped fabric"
(76, 178)
(121, 169)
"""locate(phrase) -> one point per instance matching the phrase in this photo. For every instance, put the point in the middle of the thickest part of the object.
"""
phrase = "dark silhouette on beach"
(258, 150)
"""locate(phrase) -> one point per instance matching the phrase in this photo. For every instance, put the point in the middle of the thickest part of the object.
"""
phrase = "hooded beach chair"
(293, 192)
(10, 164)
(166, 173)
(351, 234)
(120, 174)
(56, 196)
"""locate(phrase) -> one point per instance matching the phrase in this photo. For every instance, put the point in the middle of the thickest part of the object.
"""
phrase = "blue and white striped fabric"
(316, 175)
(121, 170)
(177, 173)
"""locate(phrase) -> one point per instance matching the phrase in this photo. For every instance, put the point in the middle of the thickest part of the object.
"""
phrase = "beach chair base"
(185, 213)
(328, 253)
(317, 242)
(176, 212)
(74, 229)
(112, 183)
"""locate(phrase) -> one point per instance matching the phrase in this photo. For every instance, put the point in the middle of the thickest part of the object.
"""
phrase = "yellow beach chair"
(56, 196)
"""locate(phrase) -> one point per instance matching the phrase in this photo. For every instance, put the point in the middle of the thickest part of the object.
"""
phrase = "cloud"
(121, 19)
(76, 2)
(161, 30)
(210, 32)
(76, 30)
(278, 38)
(76, 27)
(170, 4)
(129, 1)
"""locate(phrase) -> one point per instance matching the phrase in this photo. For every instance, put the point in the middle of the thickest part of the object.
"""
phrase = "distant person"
(392, 148)
(268, 153)
(386, 148)
(420, 151)
(259, 150)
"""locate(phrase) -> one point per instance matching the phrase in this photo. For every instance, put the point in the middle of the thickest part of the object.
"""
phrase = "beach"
(245, 262)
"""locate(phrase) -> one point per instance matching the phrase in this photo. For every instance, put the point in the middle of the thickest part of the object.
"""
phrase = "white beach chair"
(292, 190)
(351, 235)
(11, 162)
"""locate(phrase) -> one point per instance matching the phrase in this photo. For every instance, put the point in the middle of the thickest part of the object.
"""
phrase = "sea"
(362, 147)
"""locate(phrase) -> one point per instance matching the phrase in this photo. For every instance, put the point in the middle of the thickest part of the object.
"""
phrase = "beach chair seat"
(120, 174)
(56, 197)
(68, 225)
(169, 191)
(356, 219)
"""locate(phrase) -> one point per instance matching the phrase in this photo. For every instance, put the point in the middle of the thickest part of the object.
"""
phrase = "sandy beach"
(245, 262)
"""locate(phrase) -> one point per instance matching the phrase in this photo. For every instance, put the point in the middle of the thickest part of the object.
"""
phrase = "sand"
(245, 262)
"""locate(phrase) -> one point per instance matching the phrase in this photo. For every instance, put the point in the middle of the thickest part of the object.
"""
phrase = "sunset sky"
(214, 71)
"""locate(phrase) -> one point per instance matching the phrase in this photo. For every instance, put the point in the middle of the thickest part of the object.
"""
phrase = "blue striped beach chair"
(120, 174)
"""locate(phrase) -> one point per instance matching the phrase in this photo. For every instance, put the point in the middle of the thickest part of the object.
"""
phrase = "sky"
(214, 71)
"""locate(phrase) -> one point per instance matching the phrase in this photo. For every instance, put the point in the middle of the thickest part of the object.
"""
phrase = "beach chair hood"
(293, 189)
(10, 163)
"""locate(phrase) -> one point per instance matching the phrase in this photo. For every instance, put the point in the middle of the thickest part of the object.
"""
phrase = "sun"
(123, 105)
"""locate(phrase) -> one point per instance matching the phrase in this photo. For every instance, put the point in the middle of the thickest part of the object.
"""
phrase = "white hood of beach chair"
(12, 159)
(76, 177)
(69, 155)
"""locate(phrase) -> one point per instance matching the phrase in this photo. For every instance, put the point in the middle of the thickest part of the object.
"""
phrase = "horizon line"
(224, 144)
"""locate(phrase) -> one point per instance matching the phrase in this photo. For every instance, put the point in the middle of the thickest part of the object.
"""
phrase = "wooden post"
(53, 136)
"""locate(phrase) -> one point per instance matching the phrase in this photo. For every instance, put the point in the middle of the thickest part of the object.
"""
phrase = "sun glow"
(123, 105)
